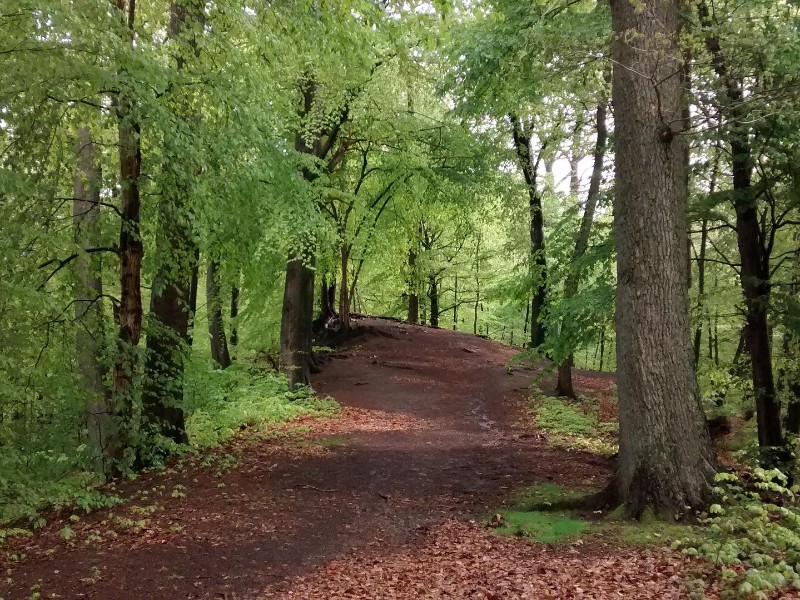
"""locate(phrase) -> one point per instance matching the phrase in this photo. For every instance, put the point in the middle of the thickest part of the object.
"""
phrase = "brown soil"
(429, 438)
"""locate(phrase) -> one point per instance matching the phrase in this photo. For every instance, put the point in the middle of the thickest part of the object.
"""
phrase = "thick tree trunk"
(666, 459)
(564, 386)
(298, 305)
(413, 296)
(433, 296)
(88, 296)
(216, 324)
(168, 327)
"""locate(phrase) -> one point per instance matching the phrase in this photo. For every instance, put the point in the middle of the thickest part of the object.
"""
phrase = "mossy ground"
(530, 517)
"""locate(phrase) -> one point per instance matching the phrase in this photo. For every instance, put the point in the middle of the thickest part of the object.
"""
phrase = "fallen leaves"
(463, 560)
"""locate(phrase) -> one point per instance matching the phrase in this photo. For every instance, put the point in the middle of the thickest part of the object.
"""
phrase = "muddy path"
(429, 433)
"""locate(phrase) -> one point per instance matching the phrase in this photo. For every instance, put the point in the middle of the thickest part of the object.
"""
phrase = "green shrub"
(574, 426)
(753, 533)
(221, 402)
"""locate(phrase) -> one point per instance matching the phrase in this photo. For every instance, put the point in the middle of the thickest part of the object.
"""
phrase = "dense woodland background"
(195, 195)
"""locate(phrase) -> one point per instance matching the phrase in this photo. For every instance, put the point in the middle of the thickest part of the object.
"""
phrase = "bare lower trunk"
(298, 303)
(455, 304)
(433, 296)
(88, 297)
(234, 316)
(344, 289)
(216, 324)
(413, 297)
(701, 286)
(194, 283)
(665, 459)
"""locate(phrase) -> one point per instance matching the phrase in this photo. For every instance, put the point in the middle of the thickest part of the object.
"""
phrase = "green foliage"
(752, 532)
(223, 402)
(573, 423)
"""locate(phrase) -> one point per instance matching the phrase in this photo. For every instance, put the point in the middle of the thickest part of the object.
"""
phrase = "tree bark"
(216, 325)
(433, 296)
(344, 288)
(88, 297)
(701, 287)
(131, 252)
(455, 304)
(170, 317)
(413, 297)
(296, 321)
(234, 316)
(564, 386)
(522, 144)
(666, 459)
(194, 283)
(298, 295)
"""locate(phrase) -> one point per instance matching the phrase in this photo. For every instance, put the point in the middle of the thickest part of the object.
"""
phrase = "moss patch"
(543, 527)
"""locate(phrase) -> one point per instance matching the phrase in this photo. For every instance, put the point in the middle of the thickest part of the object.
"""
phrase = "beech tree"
(666, 459)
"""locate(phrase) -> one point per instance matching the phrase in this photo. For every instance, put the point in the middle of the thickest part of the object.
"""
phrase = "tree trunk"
(344, 289)
(169, 321)
(234, 316)
(754, 257)
(701, 286)
(413, 297)
(296, 322)
(216, 325)
(194, 283)
(88, 296)
(433, 296)
(564, 386)
(666, 459)
(455, 304)
(131, 252)
(522, 143)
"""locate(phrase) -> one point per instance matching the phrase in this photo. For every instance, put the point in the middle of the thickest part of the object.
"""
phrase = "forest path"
(428, 434)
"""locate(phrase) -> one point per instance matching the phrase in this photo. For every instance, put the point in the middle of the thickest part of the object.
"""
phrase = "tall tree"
(665, 459)
(564, 386)
(216, 325)
(170, 300)
(316, 144)
(522, 135)
(89, 294)
(131, 249)
(754, 245)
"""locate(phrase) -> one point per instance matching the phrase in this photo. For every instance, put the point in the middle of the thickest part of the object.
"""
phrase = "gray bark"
(89, 337)
(666, 459)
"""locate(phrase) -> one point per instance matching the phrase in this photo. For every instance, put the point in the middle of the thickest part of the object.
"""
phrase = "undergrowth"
(752, 533)
(573, 424)
(50, 469)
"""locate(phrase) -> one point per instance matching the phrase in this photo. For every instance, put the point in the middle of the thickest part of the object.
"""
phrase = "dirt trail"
(428, 434)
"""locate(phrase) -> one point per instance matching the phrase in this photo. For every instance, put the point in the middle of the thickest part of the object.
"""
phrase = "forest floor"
(388, 500)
